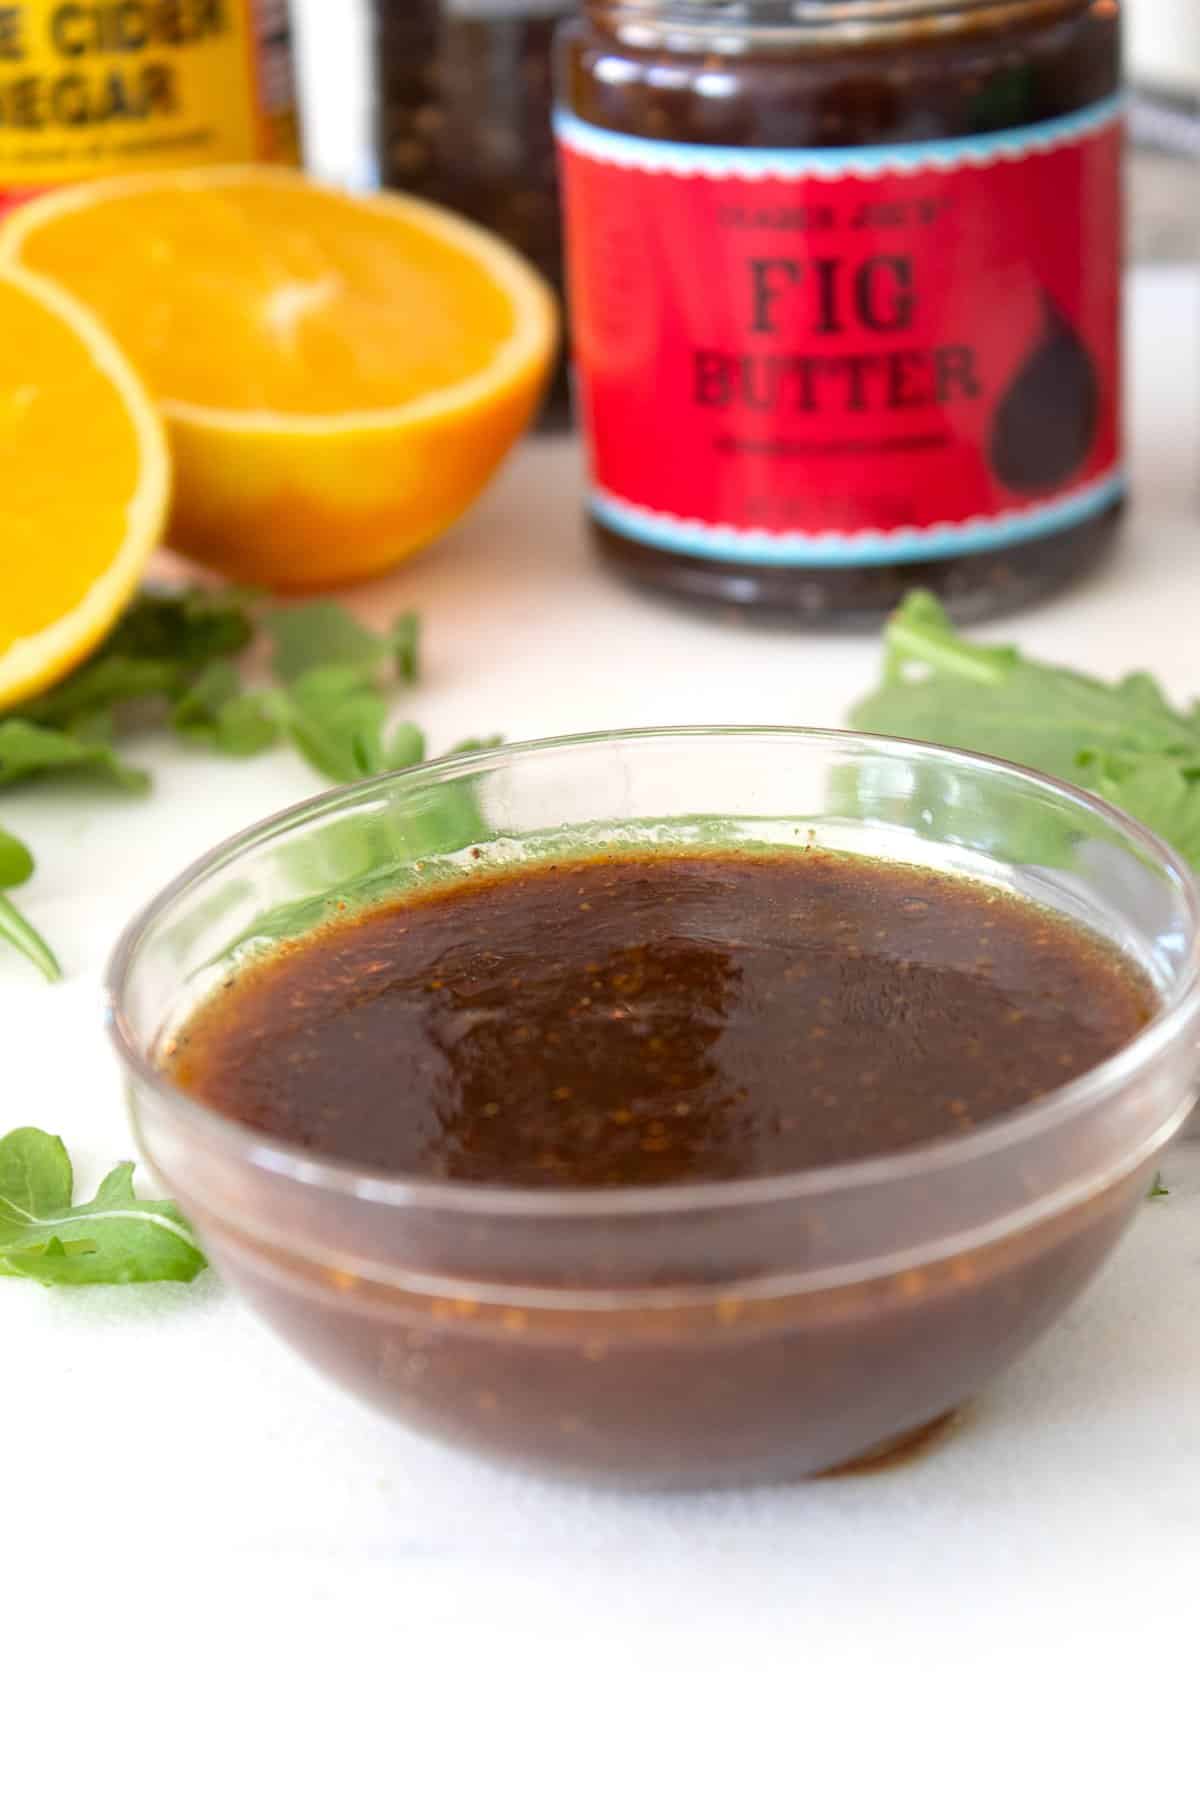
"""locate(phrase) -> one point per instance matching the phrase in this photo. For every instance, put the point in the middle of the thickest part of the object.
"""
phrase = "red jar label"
(817, 357)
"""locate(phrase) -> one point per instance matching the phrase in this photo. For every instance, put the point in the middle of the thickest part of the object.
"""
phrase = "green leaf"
(1161, 791)
(921, 631)
(28, 750)
(324, 634)
(16, 866)
(16, 930)
(465, 745)
(354, 861)
(318, 635)
(216, 713)
(35, 1174)
(152, 654)
(404, 642)
(98, 727)
(104, 684)
(169, 656)
(169, 660)
(938, 686)
(405, 747)
(16, 862)
(188, 628)
(335, 717)
(1158, 1191)
(115, 1238)
(1123, 739)
(245, 726)
(199, 704)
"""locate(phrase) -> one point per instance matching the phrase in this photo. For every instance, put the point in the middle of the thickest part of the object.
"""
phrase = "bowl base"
(895, 1452)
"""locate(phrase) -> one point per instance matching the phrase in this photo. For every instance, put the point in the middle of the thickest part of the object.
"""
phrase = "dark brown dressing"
(658, 1019)
(661, 1018)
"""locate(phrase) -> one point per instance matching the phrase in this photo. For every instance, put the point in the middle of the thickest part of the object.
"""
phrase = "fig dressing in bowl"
(669, 1108)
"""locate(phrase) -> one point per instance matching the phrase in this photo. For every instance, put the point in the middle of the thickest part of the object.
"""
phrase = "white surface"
(1163, 40)
(215, 1565)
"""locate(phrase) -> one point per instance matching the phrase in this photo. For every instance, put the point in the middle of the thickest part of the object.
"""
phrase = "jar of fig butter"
(845, 284)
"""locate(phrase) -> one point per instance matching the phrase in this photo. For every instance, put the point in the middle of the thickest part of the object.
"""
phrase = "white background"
(1164, 42)
(220, 1576)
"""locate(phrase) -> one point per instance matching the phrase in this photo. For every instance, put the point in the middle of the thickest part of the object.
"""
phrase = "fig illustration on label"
(1046, 422)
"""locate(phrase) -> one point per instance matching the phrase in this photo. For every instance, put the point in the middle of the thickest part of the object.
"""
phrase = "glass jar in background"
(116, 89)
(464, 101)
(845, 279)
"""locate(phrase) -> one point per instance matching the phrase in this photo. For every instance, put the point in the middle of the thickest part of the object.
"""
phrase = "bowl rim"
(343, 1178)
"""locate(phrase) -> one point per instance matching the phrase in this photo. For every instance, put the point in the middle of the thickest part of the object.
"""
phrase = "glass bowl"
(733, 1331)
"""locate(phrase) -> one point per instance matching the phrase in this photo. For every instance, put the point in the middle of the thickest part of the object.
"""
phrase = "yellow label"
(121, 85)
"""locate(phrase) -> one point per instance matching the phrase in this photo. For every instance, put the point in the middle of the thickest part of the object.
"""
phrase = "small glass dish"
(725, 1332)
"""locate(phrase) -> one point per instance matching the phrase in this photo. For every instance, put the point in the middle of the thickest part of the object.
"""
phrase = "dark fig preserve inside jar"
(845, 283)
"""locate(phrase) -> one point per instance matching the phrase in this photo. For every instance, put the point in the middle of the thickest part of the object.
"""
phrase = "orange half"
(84, 481)
(340, 375)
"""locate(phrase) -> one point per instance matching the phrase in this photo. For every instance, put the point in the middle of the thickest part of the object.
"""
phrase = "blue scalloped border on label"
(813, 550)
(663, 156)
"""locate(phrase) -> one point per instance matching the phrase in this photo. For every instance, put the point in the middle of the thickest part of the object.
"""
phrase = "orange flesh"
(69, 466)
(277, 298)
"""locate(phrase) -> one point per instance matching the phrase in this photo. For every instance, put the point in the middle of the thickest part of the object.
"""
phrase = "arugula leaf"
(16, 862)
(27, 749)
(351, 861)
(188, 627)
(35, 1169)
(336, 717)
(115, 1238)
(404, 643)
(405, 747)
(245, 725)
(1123, 739)
(16, 930)
(16, 866)
(312, 637)
(195, 712)
(97, 727)
(216, 713)
(104, 684)
(169, 661)
(152, 653)
(465, 745)
(939, 686)
(1163, 793)
(157, 653)
(921, 631)
(323, 634)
